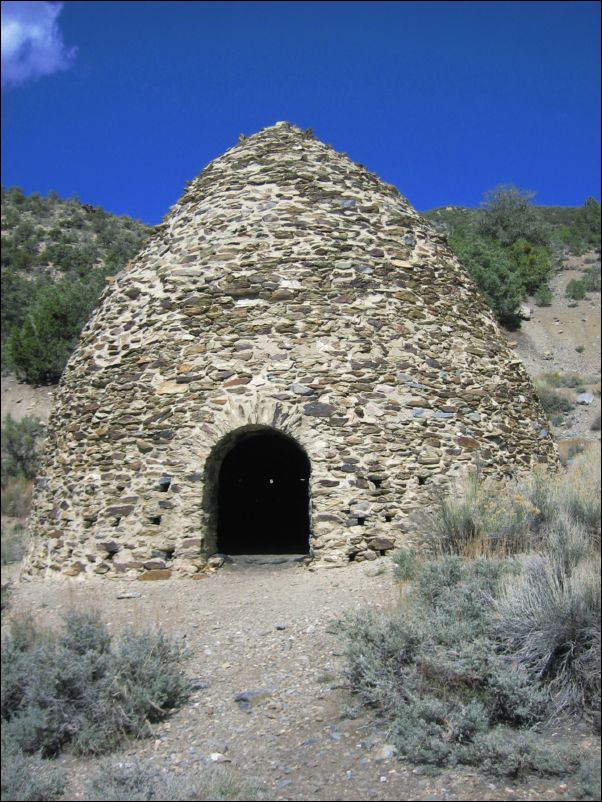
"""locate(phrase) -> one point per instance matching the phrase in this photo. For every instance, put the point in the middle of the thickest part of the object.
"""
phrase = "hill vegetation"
(57, 254)
(510, 247)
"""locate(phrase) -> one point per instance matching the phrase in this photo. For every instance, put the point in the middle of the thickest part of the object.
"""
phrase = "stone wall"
(288, 288)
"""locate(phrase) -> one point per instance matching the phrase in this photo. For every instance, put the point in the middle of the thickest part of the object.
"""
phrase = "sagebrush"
(484, 649)
(79, 688)
(140, 782)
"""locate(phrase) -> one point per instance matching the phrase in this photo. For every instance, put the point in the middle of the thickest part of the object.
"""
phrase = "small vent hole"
(388, 518)
(361, 521)
(155, 519)
(422, 480)
(164, 483)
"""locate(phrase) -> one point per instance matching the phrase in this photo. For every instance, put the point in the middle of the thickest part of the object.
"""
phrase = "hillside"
(575, 229)
(560, 348)
(512, 248)
(56, 255)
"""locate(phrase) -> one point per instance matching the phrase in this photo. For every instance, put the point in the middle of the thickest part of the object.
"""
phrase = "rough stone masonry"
(290, 292)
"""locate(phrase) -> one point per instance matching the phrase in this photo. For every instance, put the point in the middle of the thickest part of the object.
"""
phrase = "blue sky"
(120, 103)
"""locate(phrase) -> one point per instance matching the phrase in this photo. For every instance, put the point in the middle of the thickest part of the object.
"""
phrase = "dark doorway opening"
(263, 496)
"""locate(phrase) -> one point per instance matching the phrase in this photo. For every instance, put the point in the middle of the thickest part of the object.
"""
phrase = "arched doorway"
(263, 495)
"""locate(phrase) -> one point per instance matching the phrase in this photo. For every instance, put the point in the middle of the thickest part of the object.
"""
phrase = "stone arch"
(257, 493)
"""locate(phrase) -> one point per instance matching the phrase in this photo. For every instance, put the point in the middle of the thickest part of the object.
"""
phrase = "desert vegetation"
(498, 631)
(577, 289)
(138, 781)
(79, 690)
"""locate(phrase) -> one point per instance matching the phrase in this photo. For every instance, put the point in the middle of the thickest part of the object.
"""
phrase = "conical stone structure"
(293, 328)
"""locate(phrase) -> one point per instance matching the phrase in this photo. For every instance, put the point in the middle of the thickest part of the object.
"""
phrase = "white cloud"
(32, 43)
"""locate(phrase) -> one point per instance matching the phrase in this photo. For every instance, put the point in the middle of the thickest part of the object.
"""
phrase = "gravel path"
(268, 629)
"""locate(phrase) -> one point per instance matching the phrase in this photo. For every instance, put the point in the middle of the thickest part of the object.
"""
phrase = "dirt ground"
(20, 400)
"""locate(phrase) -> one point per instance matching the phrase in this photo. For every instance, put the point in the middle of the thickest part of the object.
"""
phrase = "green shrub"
(14, 543)
(543, 296)
(135, 781)
(494, 272)
(562, 379)
(586, 782)
(21, 448)
(40, 347)
(78, 689)
(577, 229)
(406, 564)
(516, 755)
(508, 216)
(592, 279)
(576, 289)
(532, 264)
(15, 299)
(550, 400)
(55, 257)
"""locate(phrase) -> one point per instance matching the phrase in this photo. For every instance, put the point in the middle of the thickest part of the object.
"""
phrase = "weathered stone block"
(154, 575)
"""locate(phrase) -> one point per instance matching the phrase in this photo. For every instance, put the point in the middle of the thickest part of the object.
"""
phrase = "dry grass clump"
(548, 623)
(548, 620)
(573, 494)
(478, 518)
(481, 517)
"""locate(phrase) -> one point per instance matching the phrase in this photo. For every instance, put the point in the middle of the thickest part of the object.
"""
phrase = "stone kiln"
(293, 361)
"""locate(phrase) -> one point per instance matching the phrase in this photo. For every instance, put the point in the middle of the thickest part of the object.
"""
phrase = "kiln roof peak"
(281, 130)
